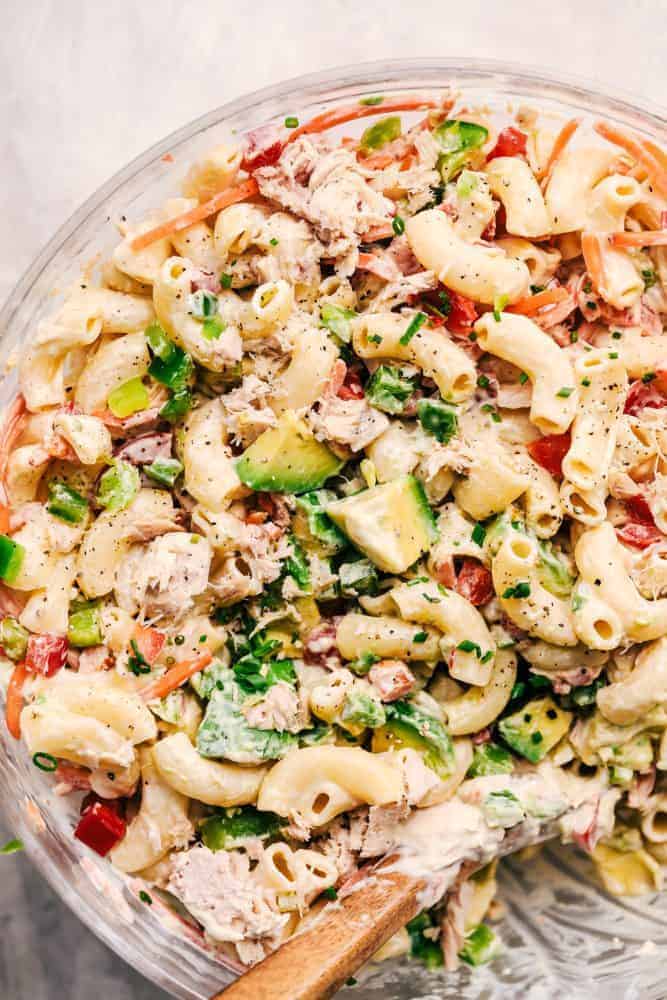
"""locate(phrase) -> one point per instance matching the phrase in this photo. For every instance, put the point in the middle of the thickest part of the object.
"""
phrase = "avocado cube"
(535, 729)
(392, 524)
(287, 459)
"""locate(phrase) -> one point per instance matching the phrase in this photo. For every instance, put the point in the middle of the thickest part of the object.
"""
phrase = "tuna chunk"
(350, 422)
(247, 413)
(222, 893)
(329, 188)
(162, 578)
(281, 709)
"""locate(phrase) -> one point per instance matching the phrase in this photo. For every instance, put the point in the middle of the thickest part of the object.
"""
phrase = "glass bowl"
(563, 936)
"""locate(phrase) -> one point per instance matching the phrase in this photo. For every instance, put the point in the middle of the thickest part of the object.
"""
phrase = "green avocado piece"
(489, 758)
(535, 729)
(316, 523)
(392, 524)
(287, 459)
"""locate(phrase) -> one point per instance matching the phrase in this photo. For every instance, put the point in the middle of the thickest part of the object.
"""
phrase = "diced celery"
(118, 486)
(164, 470)
(130, 397)
(13, 639)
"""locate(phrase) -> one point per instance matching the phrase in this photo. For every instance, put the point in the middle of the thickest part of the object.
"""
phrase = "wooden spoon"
(314, 964)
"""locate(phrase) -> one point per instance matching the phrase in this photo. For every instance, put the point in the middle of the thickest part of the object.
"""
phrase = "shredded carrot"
(247, 189)
(533, 303)
(4, 519)
(592, 249)
(14, 704)
(562, 139)
(175, 677)
(644, 152)
(378, 161)
(647, 238)
(351, 112)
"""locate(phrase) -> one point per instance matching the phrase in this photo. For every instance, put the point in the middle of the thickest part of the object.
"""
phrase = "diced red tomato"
(351, 387)
(641, 395)
(149, 642)
(510, 142)
(100, 827)
(474, 582)
(263, 149)
(462, 314)
(549, 452)
(639, 534)
(639, 508)
(46, 654)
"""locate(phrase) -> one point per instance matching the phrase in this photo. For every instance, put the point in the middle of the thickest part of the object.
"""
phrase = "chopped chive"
(371, 102)
(226, 280)
(415, 324)
(398, 225)
(145, 898)
(291, 122)
(522, 589)
(482, 381)
(45, 762)
(648, 377)
(420, 637)
(12, 847)
(565, 391)
(586, 382)
(375, 338)
(499, 304)
(613, 355)
(330, 893)
(274, 241)
(574, 336)
(523, 378)
(616, 335)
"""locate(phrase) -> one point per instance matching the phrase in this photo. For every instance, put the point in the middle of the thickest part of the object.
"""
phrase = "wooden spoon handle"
(315, 963)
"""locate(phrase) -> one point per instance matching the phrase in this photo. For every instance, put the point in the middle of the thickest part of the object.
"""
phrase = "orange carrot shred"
(646, 238)
(352, 112)
(247, 189)
(533, 303)
(592, 249)
(14, 704)
(175, 677)
(562, 139)
(379, 233)
(646, 153)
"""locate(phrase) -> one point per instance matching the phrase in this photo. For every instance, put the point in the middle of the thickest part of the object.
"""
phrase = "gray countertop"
(85, 86)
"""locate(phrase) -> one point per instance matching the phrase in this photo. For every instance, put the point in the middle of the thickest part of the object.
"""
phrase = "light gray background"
(86, 85)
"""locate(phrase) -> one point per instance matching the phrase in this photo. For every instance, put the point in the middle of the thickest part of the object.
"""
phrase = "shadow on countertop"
(46, 953)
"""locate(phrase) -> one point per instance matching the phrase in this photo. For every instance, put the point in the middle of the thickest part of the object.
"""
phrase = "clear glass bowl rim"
(329, 86)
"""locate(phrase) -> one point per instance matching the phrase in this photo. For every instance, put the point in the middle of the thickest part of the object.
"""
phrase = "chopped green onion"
(613, 355)
(420, 637)
(137, 662)
(482, 381)
(586, 382)
(145, 898)
(337, 319)
(565, 391)
(45, 762)
(226, 280)
(11, 559)
(12, 847)
(371, 102)
(213, 327)
(13, 639)
(521, 590)
(291, 122)
(130, 397)
(650, 278)
(616, 335)
(66, 503)
(499, 304)
(330, 893)
(415, 324)
(523, 378)
(437, 418)
(574, 336)
(648, 377)
(164, 470)
(83, 628)
(375, 338)
(398, 225)
(203, 304)
(118, 486)
(380, 133)
(274, 241)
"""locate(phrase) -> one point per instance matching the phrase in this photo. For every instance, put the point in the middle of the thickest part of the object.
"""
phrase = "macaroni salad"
(335, 521)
